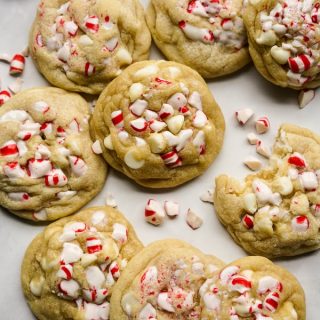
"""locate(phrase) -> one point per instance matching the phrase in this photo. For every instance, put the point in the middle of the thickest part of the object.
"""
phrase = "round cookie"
(252, 288)
(81, 45)
(276, 212)
(208, 36)
(158, 124)
(48, 169)
(69, 270)
(283, 41)
(163, 270)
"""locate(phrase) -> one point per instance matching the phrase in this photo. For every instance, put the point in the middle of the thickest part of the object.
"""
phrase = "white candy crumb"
(193, 220)
(207, 196)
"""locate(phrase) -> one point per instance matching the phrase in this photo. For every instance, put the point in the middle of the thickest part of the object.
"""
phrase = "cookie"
(208, 36)
(162, 282)
(48, 169)
(252, 288)
(276, 212)
(81, 45)
(283, 41)
(158, 124)
(69, 270)
(172, 280)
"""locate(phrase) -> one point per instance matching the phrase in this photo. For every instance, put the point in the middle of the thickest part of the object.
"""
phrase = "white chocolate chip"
(253, 163)
(123, 56)
(195, 100)
(146, 71)
(108, 142)
(136, 90)
(36, 285)
(283, 185)
(250, 202)
(85, 40)
(299, 204)
(193, 220)
(280, 55)
(308, 180)
(131, 160)
(175, 123)
(96, 147)
(267, 38)
(157, 142)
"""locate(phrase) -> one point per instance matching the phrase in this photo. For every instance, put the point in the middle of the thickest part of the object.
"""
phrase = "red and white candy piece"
(56, 178)
(13, 170)
(193, 220)
(262, 125)
(71, 28)
(177, 100)
(69, 288)
(171, 159)
(92, 23)
(120, 233)
(18, 196)
(195, 33)
(5, 95)
(9, 148)
(114, 269)
(171, 208)
(298, 160)
(112, 44)
(17, 64)
(94, 311)
(300, 63)
(117, 119)
(95, 277)
(243, 115)
(65, 272)
(139, 124)
(70, 253)
(315, 209)
(300, 224)
(248, 221)
(78, 166)
(196, 7)
(164, 302)
(148, 312)
(305, 97)
(263, 149)
(240, 284)
(138, 107)
(308, 180)
(227, 273)
(89, 69)
(199, 142)
(166, 111)
(267, 284)
(38, 168)
(253, 163)
(154, 212)
(262, 191)
(157, 126)
(46, 128)
(200, 119)
(271, 302)
(93, 245)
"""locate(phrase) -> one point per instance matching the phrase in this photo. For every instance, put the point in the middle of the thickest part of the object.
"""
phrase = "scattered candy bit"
(193, 220)
(243, 115)
(305, 96)
(252, 138)
(207, 196)
(253, 163)
(110, 200)
(297, 160)
(247, 221)
(96, 147)
(25, 52)
(262, 125)
(262, 149)
(300, 224)
(5, 95)
(17, 64)
(5, 57)
(154, 212)
(171, 208)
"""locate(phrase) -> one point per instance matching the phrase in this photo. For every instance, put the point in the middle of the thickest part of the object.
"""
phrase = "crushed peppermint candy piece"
(243, 115)
(252, 138)
(171, 208)
(305, 97)
(154, 212)
(193, 220)
(262, 149)
(110, 200)
(253, 163)
(17, 64)
(207, 196)
(262, 125)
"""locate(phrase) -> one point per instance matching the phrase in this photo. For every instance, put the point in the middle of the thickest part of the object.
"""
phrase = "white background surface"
(244, 89)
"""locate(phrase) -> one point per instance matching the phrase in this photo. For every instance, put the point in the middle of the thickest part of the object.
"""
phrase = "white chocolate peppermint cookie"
(252, 288)
(81, 45)
(208, 36)
(158, 124)
(69, 270)
(47, 167)
(276, 212)
(283, 41)
(162, 282)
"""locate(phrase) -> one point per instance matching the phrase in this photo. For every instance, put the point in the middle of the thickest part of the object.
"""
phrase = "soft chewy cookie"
(208, 36)
(163, 282)
(69, 270)
(252, 288)
(47, 167)
(80, 45)
(284, 41)
(276, 212)
(158, 124)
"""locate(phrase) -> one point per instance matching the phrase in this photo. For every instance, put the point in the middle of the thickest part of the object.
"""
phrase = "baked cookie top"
(172, 280)
(284, 41)
(47, 167)
(162, 282)
(69, 270)
(158, 124)
(276, 212)
(81, 45)
(208, 36)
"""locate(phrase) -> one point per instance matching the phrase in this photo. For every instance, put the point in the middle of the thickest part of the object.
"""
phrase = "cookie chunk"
(163, 282)
(252, 288)
(158, 124)
(276, 212)
(208, 36)
(69, 270)
(283, 41)
(172, 280)
(47, 167)
(81, 45)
